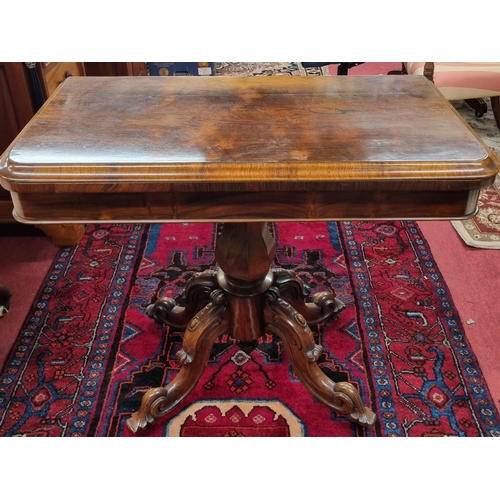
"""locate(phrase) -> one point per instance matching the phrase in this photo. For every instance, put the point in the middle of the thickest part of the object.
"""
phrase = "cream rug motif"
(483, 230)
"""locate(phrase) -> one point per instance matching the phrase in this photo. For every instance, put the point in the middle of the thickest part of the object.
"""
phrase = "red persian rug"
(88, 352)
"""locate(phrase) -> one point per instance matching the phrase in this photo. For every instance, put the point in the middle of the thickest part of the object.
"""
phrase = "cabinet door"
(55, 73)
(116, 69)
(139, 69)
(16, 111)
(16, 108)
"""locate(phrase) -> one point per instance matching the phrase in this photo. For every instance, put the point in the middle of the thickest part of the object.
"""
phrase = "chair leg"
(478, 105)
(495, 106)
(401, 71)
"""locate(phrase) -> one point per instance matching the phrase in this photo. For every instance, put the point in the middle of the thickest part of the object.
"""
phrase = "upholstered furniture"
(468, 81)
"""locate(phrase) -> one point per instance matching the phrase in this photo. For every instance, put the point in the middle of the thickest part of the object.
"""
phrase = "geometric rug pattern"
(88, 351)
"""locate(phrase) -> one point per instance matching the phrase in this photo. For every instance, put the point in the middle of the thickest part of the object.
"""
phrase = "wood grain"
(244, 206)
(56, 73)
(274, 148)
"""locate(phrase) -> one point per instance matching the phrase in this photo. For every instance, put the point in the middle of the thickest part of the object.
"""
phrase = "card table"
(242, 152)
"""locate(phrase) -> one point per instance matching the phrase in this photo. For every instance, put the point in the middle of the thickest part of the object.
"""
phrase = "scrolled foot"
(199, 337)
(160, 310)
(152, 406)
(196, 296)
(293, 290)
(346, 400)
(291, 327)
(328, 306)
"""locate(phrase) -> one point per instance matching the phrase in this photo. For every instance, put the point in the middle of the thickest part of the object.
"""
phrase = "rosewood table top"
(245, 149)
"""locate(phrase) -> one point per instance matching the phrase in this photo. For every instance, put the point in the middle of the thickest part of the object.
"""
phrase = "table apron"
(247, 206)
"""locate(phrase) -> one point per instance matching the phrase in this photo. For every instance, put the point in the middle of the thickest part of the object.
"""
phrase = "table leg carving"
(244, 299)
(291, 327)
(200, 335)
(292, 289)
(196, 295)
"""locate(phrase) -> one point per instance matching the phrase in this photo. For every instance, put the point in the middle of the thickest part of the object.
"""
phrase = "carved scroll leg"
(294, 291)
(201, 333)
(291, 327)
(196, 295)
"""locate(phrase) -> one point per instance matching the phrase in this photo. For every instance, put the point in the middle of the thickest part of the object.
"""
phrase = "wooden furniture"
(116, 69)
(244, 151)
(52, 74)
(23, 89)
(18, 97)
(342, 68)
(15, 112)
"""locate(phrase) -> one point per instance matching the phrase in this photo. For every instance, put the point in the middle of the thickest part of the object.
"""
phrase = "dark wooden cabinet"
(16, 110)
(23, 89)
(116, 69)
(52, 74)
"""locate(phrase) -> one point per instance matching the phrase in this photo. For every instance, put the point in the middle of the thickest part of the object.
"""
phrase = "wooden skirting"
(6, 211)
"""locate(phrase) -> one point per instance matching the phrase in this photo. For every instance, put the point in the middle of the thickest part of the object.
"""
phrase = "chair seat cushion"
(463, 80)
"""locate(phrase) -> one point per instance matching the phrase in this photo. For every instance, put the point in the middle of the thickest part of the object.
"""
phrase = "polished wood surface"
(329, 148)
(17, 107)
(244, 151)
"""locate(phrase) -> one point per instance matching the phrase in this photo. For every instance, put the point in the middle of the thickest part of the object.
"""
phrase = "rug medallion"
(88, 351)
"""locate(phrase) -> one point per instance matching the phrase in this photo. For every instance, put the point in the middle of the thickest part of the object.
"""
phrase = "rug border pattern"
(459, 345)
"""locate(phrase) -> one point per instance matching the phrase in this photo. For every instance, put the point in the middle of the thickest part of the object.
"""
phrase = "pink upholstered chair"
(468, 81)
